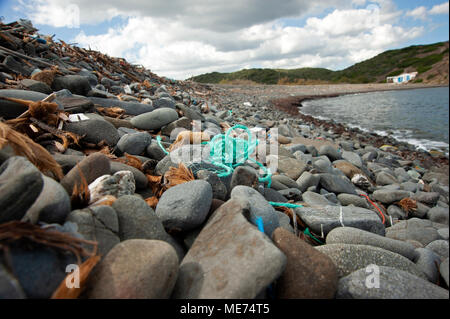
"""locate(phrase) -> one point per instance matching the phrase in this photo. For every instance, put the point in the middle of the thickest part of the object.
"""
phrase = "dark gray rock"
(439, 247)
(151, 274)
(20, 185)
(337, 184)
(52, 205)
(349, 258)
(154, 120)
(244, 175)
(396, 212)
(384, 178)
(163, 102)
(272, 195)
(9, 286)
(423, 231)
(443, 269)
(98, 223)
(386, 196)
(185, 206)
(394, 284)
(95, 131)
(292, 194)
(221, 263)
(259, 207)
(350, 235)
(428, 262)
(429, 198)
(131, 108)
(349, 199)
(314, 199)
(438, 215)
(353, 158)
(307, 180)
(134, 143)
(331, 152)
(36, 86)
(77, 84)
(327, 218)
(218, 187)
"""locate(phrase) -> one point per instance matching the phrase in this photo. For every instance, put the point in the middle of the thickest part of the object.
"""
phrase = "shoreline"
(288, 99)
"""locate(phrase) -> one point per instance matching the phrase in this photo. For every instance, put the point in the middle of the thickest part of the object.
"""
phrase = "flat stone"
(100, 224)
(77, 84)
(386, 196)
(154, 120)
(229, 259)
(135, 269)
(185, 206)
(291, 167)
(429, 198)
(36, 86)
(259, 207)
(428, 262)
(91, 167)
(423, 231)
(438, 215)
(439, 247)
(350, 235)
(349, 258)
(307, 180)
(52, 205)
(135, 143)
(309, 274)
(336, 184)
(394, 284)
(20, 185)
(95, 131)
(349, 199)
(218, 187)
(329, 217)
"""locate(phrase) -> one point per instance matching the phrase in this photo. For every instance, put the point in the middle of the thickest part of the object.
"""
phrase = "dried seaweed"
(15, 231)
(80, 194)
(131, 160)
(408, 205)
(24, 146)
(152, 201)
(178, 175)
(115, 112)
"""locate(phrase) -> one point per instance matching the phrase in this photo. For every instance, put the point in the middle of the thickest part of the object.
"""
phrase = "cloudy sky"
(179, 39)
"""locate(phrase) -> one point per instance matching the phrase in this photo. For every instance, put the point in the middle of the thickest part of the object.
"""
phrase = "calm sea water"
(419, 117)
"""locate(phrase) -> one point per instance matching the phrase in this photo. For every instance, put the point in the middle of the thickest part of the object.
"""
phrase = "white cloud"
(178, 40)
(418, 13)
(442, 8)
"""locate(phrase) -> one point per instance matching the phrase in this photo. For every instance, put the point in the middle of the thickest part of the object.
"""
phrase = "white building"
(402, 78)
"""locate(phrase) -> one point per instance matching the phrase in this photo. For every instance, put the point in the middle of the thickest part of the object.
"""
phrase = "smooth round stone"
(137, 220)
(185, 206)
(349, 258)
(307, 180)
(438, 215)
(154, 151)
(389, 196)
(9, 110)
(396, 212)
(393, 284)
(439, 247)
(98, 223)
(350, 235)
(154, 120)
(134, 143)
(384, 178)
(353, 158)
(272, 195)
(421, 230)
(91, 167)
(52, 205)
(443, 232)
(349, 199)
(95, 131)
(315, 199)
(292, 194)
(285, 180)
(308, 274)
(76, 84)
(428, 262)
(20, 185)
(135, 269)
(336, 184)
(259, 207)
(36, 86)
(331, 152)
(164, 102)
(131, 108)
(428, 198)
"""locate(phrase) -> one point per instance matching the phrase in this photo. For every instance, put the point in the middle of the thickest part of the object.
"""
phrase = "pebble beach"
(108, 167)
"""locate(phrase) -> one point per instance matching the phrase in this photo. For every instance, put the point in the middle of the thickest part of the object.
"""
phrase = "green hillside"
(430, 60)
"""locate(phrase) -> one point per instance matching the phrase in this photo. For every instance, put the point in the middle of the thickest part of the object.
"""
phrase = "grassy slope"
(421, 58)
